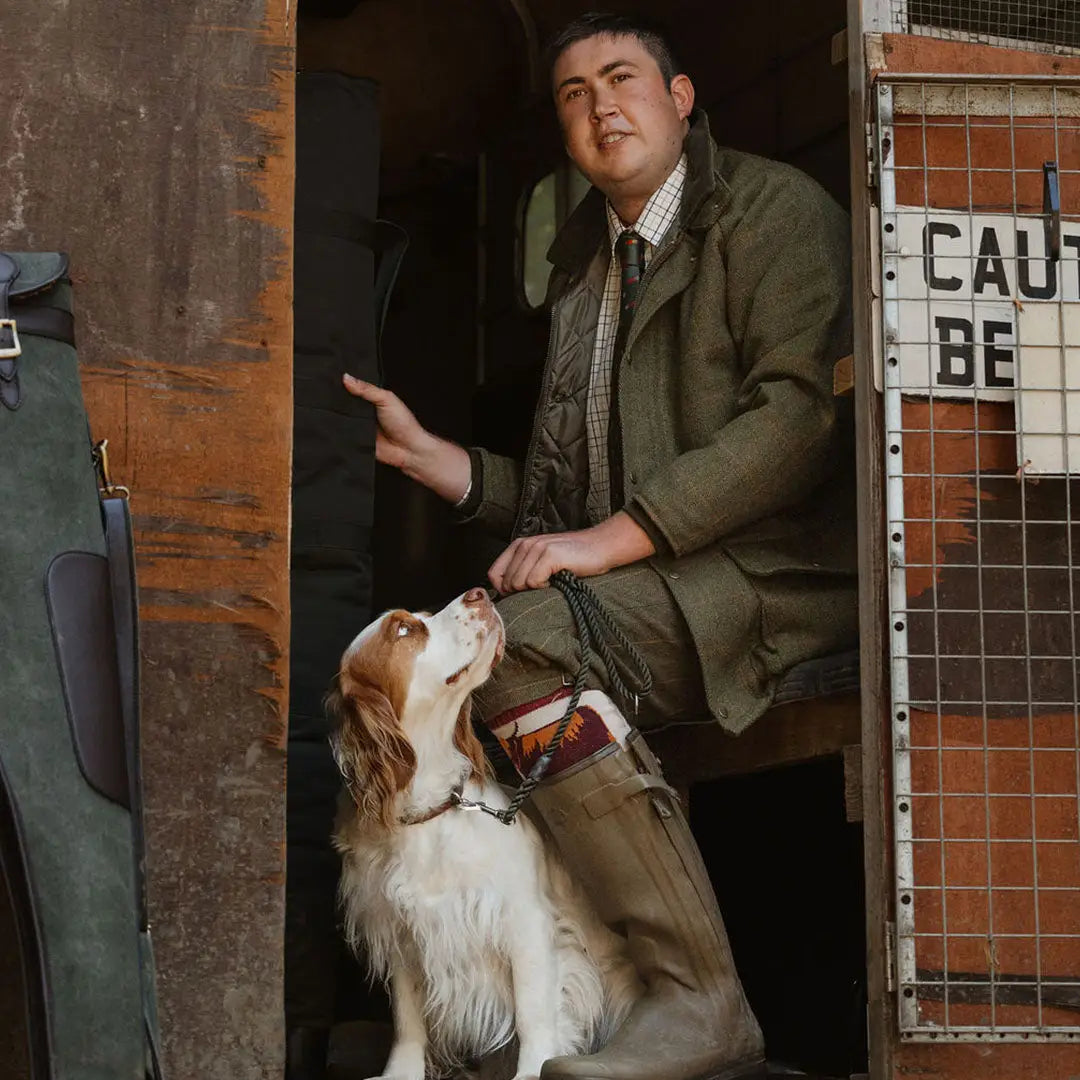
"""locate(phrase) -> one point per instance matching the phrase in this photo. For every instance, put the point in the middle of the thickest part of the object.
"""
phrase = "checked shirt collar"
(659, 213)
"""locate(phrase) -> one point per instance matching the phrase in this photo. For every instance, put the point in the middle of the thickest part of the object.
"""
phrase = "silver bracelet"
(464, 498)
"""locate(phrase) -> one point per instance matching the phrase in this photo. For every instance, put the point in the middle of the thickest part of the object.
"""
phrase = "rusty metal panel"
(154, 143)
(985, 724)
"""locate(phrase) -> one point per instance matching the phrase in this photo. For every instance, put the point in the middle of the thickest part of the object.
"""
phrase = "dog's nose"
(474, 597)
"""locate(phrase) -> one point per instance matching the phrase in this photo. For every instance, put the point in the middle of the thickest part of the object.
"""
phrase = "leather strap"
(79, 602)
(121, 558)
(386, 240)
(610, 797)
(391, 242)
(337, 224)
(10, 395)
(454, 799)
(46, 322)
(120, 549)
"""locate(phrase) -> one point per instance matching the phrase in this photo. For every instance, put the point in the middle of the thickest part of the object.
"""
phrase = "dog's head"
(404, 690)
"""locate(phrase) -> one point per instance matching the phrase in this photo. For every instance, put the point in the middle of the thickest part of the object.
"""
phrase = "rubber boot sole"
(758, 1069)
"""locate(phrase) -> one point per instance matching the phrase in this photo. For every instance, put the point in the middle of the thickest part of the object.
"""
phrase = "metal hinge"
(890, 957)
(871, 169)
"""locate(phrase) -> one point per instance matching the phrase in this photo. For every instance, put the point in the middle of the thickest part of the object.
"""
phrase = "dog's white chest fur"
(457, 902)
(476, 925)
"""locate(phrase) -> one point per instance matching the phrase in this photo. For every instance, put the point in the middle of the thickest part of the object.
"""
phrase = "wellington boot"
(620, 829)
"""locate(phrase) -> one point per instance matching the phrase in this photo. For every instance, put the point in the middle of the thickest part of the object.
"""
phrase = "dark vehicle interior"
(448, 132)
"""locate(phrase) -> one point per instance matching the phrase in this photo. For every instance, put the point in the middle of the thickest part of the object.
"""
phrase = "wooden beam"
(843, 376)
(154, 143)
(785, 735)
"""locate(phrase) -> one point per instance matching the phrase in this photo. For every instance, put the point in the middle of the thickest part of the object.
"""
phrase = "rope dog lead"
(595, 627)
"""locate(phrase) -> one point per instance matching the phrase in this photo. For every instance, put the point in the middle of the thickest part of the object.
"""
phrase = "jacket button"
(633, 478)
(674, 576)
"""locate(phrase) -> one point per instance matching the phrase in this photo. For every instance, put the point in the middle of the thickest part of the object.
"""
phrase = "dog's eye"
(403, 629)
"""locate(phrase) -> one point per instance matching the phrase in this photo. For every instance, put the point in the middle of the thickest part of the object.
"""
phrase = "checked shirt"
(653, 225)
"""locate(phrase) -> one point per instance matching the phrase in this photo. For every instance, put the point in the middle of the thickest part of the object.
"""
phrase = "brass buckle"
(10, 352)
(110, 490)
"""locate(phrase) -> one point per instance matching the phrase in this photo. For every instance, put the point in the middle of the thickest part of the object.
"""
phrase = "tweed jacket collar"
(703, 199)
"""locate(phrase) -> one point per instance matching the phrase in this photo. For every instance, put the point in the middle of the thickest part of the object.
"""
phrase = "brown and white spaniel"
(475, 925)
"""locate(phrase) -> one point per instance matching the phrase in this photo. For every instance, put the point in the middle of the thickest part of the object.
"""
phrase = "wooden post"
(154, 144)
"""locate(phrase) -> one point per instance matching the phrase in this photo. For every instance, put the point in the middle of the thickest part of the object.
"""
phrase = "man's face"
(623, 128)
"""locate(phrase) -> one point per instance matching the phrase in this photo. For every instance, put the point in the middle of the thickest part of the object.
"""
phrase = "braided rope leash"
(595, 627)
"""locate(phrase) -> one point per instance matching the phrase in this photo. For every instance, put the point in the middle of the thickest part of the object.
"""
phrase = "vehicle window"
(549, 204)
(540, 226)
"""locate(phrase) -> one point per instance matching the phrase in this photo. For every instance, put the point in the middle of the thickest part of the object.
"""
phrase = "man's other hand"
(400, 436)
(530, 561)
(404, 443)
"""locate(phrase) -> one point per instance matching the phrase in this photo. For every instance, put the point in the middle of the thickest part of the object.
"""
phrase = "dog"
(476, 926)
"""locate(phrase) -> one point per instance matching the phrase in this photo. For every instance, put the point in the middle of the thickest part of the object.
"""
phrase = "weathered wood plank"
(154, 143)
(785, 735)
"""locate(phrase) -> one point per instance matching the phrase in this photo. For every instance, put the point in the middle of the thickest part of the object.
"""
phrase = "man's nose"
(604, 105)
(474, 597)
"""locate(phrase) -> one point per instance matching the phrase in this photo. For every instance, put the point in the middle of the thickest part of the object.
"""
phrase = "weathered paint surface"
(154, 143)
(957, 452)
(906, 52)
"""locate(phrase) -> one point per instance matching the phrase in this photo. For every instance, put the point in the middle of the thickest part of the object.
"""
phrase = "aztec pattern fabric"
(524, 732)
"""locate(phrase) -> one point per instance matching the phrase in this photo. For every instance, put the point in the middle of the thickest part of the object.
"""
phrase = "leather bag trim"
(77, 592)
(26, 284)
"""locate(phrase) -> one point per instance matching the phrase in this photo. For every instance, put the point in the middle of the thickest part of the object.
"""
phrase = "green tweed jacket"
(732, 455)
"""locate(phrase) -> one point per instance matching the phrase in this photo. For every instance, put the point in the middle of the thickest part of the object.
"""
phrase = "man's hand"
(403, 442)
(401, 436)
(530, 561)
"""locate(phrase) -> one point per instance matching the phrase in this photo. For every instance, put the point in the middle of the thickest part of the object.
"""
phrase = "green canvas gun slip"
(70, 800)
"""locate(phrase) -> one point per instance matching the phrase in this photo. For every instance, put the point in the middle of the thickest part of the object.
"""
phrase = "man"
(683, 459)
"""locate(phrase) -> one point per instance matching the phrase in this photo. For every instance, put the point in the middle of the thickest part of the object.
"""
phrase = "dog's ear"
(376, 760)
(467, 743)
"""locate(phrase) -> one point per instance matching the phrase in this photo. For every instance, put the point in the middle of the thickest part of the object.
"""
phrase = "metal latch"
(1052, 209)
(110, 490)
(14, 350)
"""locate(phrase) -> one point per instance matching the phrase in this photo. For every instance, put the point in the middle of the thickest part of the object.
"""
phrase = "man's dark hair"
(650, 36)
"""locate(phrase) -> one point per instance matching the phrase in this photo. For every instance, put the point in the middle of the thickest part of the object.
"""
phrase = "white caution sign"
(979, 307)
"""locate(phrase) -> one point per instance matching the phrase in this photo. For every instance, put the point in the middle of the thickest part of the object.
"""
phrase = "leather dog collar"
(452, 800)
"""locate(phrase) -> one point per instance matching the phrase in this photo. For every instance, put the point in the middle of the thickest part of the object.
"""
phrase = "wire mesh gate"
(980, 336)
(1038, 25)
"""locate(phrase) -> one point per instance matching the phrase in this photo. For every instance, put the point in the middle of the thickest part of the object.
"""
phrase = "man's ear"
(682, 90)
(376, 760)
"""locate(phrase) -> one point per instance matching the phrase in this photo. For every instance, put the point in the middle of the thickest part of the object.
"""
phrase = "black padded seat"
(835, 674)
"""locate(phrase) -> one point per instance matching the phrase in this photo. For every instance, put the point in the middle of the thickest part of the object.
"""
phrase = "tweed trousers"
(542, 649)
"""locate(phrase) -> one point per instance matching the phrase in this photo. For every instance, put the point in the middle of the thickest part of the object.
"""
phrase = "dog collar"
(452, 800)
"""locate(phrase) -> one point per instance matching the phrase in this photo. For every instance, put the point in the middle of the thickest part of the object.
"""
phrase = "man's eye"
(620, 76)
(574, 93)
